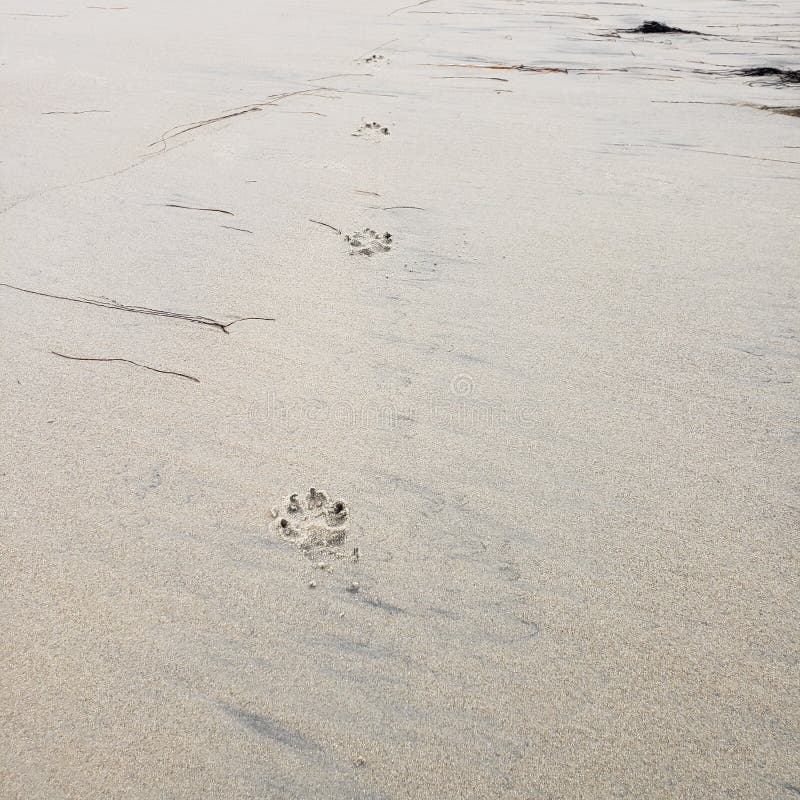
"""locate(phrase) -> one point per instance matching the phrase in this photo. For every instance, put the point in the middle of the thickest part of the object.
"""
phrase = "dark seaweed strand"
(114, 305)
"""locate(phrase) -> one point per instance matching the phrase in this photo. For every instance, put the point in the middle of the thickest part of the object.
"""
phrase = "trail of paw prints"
(317, 526)
(372, 130)
(369, 242)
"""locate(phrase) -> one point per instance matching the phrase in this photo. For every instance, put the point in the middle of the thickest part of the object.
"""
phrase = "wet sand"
(560, 400)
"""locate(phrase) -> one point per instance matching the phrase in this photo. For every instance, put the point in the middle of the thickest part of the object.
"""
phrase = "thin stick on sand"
(517, 67)
(325, 224)
(115, 306)
(179, 130)
(199, 208)
(466, 78)
(413, 5)
(231, 228)
(128, 361)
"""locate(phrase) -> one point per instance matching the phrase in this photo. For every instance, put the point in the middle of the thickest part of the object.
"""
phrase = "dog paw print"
(315, 524)
(373, 130)
(369, 242)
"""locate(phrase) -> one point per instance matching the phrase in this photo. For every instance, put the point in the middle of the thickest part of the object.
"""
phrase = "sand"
(560, 402)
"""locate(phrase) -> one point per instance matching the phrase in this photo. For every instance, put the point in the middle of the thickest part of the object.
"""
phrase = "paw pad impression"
(316, 524)
(369, 242)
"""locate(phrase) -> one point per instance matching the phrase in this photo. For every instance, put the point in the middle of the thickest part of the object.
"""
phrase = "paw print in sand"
(375, 58)
(372, 130)
(369, 242)
(316, 525)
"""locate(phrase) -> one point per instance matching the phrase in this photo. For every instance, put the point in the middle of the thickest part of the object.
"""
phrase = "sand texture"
(514, 282)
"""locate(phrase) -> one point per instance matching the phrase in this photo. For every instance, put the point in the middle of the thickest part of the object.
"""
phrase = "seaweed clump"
(789, 111)
(653, 26)
(780, 75)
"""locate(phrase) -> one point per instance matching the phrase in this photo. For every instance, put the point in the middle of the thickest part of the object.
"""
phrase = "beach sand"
(560, 401)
